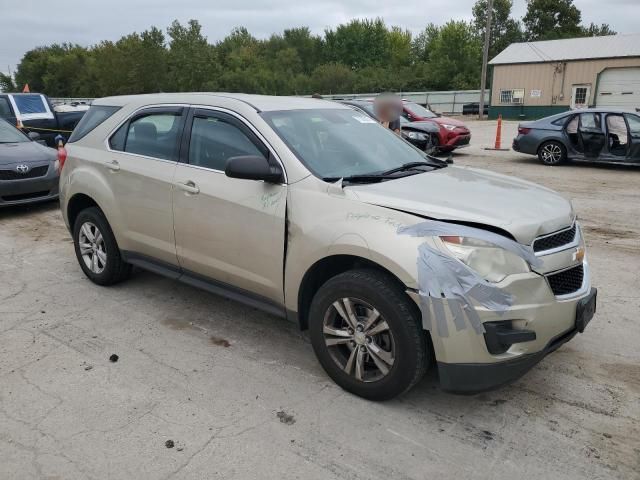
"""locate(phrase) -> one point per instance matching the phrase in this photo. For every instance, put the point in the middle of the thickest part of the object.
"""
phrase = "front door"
(634, 136)
(617, 137)
(580, 96)
(591, 138)
(229, 230)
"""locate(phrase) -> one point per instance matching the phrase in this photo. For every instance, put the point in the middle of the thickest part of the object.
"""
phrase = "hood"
(523, 209)
(422, 126)
(25, 152)
(449, 121)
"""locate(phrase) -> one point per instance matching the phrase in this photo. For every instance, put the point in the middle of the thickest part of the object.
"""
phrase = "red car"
(453, 133)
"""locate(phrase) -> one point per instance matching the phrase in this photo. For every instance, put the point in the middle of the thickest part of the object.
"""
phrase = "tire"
(552, 153)
(109, 268)
(351, 359)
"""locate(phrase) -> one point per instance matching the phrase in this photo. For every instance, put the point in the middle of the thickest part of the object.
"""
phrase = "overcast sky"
(30, 23)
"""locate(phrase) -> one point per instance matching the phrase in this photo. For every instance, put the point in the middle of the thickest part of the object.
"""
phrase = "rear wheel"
(367, 334)
(552, 153)
(97, 250)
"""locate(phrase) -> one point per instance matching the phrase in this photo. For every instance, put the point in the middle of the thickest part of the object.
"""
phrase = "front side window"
(634, 124)
(215, 140)
(152, 135)
(340, 143)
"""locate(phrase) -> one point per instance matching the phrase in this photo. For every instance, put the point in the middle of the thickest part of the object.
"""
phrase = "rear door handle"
(189, 187)
(113, 165)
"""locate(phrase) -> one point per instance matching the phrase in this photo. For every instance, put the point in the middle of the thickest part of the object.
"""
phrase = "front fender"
(322, 225)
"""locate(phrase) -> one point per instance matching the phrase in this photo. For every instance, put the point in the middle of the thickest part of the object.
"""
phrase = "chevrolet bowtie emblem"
(579, 255)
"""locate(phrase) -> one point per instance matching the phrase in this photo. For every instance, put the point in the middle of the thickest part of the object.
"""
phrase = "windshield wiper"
(409, 166)
(365, 178)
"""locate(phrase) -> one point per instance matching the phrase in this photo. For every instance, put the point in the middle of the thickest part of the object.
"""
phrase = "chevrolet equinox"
(392, 259)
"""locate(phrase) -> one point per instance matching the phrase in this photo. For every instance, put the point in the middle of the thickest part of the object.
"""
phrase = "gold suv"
(394, 260)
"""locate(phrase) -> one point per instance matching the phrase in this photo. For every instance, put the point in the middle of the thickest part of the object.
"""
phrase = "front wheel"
(552, 153)
(367, 334)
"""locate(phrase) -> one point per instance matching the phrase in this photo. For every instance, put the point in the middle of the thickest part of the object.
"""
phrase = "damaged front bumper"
(469, 378)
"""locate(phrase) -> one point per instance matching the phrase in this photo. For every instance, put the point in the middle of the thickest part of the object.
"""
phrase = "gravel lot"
(241, 395)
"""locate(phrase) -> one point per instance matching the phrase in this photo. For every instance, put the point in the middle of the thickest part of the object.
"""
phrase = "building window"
(581, 96)
(512, 96)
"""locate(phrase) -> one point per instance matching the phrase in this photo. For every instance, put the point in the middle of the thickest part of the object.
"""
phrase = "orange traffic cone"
(498, 143)
(26, 88)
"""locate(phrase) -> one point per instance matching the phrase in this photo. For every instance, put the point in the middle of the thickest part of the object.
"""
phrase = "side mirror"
(35, 136)
(253, 167)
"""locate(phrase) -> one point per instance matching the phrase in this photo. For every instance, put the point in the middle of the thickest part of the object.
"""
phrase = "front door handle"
(189, 187)
(113, 165)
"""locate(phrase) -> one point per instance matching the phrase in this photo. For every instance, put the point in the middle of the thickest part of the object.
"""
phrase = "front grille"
(35, 172)
(555, 240)
(24, 196)
(566, 282)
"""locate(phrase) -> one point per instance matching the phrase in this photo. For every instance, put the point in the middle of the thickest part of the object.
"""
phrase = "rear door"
(143, 154)
(228, 230)
(591, 137)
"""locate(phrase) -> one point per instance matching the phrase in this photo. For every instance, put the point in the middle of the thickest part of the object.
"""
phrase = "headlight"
(488, 260)
(416, 135)
(449, 127)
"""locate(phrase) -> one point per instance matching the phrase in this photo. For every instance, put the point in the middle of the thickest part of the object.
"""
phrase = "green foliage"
(359, 56)
(504, 29)
(6, 83)
(455, 57)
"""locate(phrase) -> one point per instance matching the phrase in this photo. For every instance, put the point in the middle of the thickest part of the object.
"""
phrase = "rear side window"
(154, 135)
(90, 120)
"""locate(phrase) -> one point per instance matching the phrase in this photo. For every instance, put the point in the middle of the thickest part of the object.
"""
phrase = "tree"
(359, 43)
(460, 70)
(192, 63)
(421, 45)
(594, 30)
(504, 29)
(6, 83)
(552, 19)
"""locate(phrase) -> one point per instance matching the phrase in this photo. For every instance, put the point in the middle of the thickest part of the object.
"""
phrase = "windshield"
(419, 110)
(10, 134)
(336, 143)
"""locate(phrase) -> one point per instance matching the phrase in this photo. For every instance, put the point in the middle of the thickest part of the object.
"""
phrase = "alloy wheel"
(92, 248)
(359, 339)
(551, 153)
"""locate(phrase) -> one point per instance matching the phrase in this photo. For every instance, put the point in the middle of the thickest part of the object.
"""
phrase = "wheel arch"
(328, 267)
(77, 203)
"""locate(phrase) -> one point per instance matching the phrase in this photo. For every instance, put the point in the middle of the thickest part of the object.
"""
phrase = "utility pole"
(485, 58)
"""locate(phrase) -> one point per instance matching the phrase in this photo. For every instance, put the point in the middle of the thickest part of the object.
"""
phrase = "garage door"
(619, 87)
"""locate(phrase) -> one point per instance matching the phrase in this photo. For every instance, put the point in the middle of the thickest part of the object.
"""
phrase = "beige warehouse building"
(536, 79)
